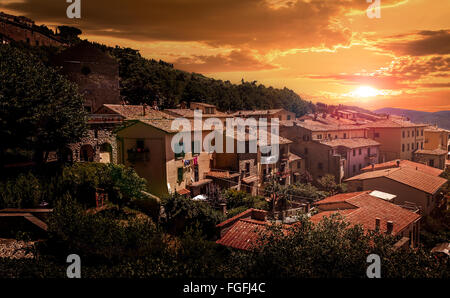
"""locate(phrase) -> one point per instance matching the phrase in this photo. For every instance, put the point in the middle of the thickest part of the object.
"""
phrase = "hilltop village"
(378, 171)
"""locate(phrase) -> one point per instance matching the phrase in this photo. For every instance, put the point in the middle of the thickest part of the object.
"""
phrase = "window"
(360, 151)
(421, 145)
(354, 152)
(195, 150)
(368, 151)
(408, 134)
(180, 174)
(140, 144)
(403, 147)
(354, 168)
(247, 169)
(96, 134)
(180, 148)
(299, 164)
(320, 166)
(431, 163)
(360, 167)
(376, 135)
(412, 146)
(306, 151)
(345, 135)
(403, 134)
(421, 133)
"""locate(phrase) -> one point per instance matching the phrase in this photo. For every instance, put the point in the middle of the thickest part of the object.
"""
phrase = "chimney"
(155, 105)
(389, 227)
(224, 208)
(398, 163)
(373, 166)
(144, 107)
(377, 224)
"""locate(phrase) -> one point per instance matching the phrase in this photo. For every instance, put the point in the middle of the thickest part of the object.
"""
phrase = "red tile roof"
(350, 143)
(133, 112)
(244, 234)
(407, 176)
(365, 210)
(404, 163)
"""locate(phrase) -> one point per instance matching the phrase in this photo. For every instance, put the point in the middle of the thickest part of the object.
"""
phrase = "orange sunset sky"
(325, 50)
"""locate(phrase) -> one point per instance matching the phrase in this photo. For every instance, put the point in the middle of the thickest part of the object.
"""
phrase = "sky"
(327, 51)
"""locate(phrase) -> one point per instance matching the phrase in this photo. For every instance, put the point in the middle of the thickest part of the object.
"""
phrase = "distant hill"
(442, 118)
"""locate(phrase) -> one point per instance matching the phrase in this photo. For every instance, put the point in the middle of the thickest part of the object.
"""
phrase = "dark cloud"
(420, 44)
(251, 23)
(236, 60)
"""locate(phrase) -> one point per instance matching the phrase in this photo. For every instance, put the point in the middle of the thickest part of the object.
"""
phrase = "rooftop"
(188, 113)
(393, 123)
(432, 152)
(350, 143)
(363, 209)
(134, 112)
(407, 176)
(257, 112)
(404, 163)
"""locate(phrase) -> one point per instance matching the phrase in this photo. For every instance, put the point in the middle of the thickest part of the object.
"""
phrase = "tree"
(328, 183)
(69, 33)
(331, 249)
(40, 110)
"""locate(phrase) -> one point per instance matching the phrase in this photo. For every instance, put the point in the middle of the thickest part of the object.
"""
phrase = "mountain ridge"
(441, 118)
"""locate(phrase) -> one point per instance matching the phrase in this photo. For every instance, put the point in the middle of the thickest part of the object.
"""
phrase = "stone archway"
(106, 153)
(87, 153)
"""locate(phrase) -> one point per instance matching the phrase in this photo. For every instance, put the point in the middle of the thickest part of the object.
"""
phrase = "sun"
(366, 91)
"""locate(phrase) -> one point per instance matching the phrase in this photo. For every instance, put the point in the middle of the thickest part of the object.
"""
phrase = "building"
(341, 150)
(22, 29)
(280, 114)
(403, 163)
(208, 111)
(94, 71)
(243, 230)
(373, 213)
(413, 187)
(146, 146)
(398, 138)
(435, 150)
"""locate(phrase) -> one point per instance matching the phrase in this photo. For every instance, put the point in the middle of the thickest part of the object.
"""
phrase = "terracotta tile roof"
(404, 163)
(319, 126)
(257, 112)
(293, 157)
(203, 104)
(134, 112)
(366, 209)
(408, 176)
(166, 125)
(183, 191)
(393, 123)
(188, 113)
(244, 234)
(432, 152)
(350, 143)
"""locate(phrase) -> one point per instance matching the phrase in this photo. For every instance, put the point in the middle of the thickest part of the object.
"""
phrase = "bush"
(121, 183)
(100, 236)
(183, 214)
(22, 192)
(235, 199)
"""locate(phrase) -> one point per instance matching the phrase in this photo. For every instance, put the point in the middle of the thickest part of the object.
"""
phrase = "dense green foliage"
(239, 201)
(144, 80)
(183, 214)
(80, 181)
(331, 249)
(40, 111)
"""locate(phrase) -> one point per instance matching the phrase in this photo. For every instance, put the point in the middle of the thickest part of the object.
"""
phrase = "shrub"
(183, 213)
(21, 192)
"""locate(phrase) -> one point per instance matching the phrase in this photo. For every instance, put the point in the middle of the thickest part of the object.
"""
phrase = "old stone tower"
(95, 72)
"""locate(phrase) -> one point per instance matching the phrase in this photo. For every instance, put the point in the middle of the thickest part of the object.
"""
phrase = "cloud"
(402, 73)
(236, 60)
(421, 43)
(257, 24)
